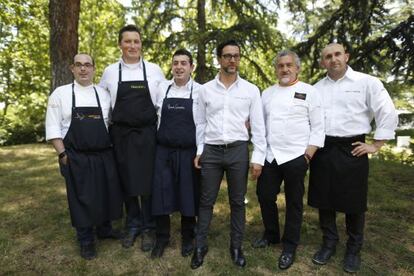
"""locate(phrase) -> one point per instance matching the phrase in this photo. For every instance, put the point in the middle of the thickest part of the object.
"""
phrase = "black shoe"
(147, 241)
(198, 257)
(286, 260)
(352, 262)
(323, 255)
(128, 240)
(237, 257)
(88, 251)
(187, 248)
(113, 235)
(158, 249)
(262, 243)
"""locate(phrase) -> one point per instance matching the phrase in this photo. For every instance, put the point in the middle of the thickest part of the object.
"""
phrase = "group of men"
(160, 146)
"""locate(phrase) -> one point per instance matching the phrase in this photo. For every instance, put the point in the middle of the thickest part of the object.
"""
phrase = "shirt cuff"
(317, 141)
(53, 133)
(200, 149)
(258, 157)
(384, 134)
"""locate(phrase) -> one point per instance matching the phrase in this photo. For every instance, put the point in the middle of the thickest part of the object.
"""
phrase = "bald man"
(339, 171)
(76, 124)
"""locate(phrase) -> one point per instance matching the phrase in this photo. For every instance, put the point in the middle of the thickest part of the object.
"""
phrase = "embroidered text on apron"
(175, 178)
(133, 134)
(93, 188)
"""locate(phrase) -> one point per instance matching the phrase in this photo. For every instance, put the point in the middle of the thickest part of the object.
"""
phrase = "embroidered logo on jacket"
(300, 96)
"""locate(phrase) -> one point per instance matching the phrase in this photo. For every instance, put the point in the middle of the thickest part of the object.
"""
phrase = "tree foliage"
(377, 33)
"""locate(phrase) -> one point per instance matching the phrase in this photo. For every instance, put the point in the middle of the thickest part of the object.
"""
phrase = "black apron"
(133, 133)
(92, 183)
(176, 181)
(338, 180)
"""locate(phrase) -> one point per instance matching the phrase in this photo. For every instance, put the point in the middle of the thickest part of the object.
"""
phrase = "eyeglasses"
(228, 57)
(86, 65)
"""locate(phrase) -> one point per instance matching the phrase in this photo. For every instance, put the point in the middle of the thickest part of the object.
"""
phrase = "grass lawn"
(36, 236)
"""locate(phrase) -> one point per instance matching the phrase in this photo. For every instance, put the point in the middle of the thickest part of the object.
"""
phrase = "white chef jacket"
(294, 119)
(351, 103)
(131, 72)
(225, 112)
(180, 92)
(59, 108)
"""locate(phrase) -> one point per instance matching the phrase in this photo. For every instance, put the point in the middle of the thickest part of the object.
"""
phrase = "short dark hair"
(184, 52)
(220, 47)
(128, 28)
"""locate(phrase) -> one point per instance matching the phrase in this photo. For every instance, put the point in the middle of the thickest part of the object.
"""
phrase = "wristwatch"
(62, 154)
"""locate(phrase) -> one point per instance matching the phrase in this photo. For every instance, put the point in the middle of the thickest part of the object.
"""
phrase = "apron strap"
(169, 87)
(191, 92)
(97, 97)
(74, 99)
(73, 95)
(120, 74)
(168, 90)
(145, 71)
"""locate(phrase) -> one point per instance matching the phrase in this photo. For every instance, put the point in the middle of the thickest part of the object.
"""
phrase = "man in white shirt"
(176, 180)
(76, 124)
(225, 106)
(294, 131)
(339, 172)
(131, 82)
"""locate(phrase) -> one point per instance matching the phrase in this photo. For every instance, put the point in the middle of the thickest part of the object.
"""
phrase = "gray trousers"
(215, 160)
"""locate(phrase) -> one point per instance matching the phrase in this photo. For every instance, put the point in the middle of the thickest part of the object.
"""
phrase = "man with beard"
(226, 105)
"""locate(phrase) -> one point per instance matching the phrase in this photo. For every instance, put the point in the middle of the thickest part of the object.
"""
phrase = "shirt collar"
(137, 65)
(187, 85)
(219, 83)
(349, 74)
(80, 86)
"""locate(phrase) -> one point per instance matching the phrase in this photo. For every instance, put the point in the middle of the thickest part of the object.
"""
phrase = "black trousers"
(163, 228)
(354, 229)
(138, 214)
(215, 160)
(292, 173)
(86, 235)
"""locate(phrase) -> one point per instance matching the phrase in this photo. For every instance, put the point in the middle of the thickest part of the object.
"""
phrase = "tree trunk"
(201, 70)
(63, 21)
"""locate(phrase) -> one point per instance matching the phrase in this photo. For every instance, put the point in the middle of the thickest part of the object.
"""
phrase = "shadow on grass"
(36, 236)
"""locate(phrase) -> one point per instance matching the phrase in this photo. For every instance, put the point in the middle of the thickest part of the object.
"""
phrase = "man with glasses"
(76, 124)
(226, 105)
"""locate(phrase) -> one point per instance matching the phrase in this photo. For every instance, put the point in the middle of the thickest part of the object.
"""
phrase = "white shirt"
(294, 119)
(59, 108)
(224, 113)
(180, 92)
(130, 72)
(351, 103)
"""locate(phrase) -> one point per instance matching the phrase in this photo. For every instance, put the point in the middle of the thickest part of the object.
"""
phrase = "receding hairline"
(332, 45)
(83, 54)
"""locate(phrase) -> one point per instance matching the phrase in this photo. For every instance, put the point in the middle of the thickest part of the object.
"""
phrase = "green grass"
(36, 236)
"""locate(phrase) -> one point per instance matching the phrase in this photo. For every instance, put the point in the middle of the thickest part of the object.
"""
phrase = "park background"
(38, 39)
